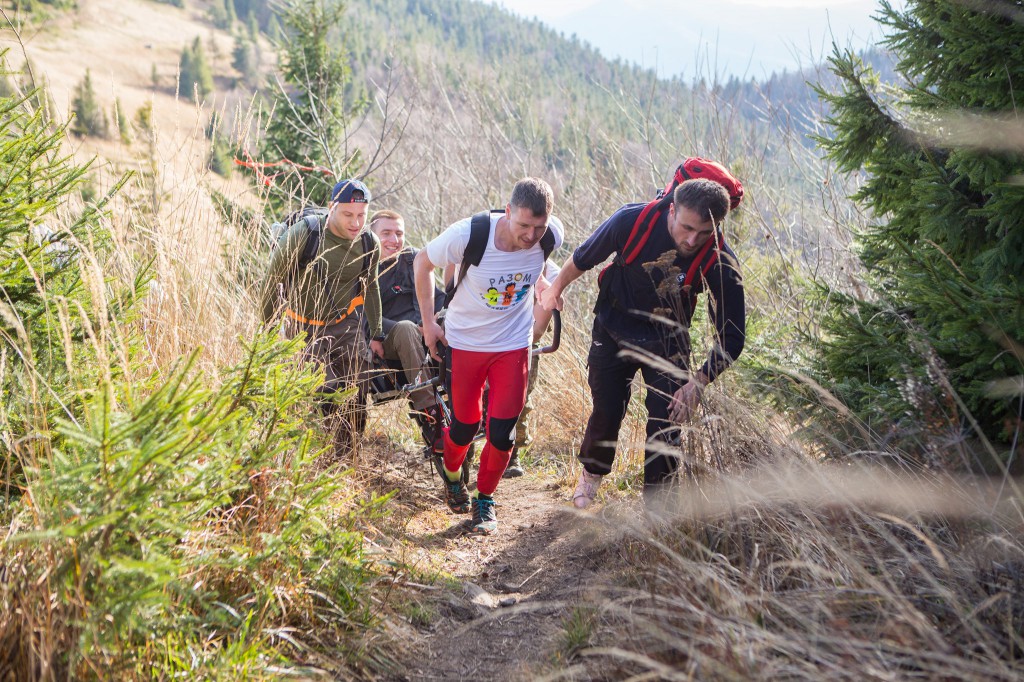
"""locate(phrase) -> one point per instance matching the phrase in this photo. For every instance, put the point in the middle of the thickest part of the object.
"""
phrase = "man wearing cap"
(329, 298)
(643, 314)
(401, 317)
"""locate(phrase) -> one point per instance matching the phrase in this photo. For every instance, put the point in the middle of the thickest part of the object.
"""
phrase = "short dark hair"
(534, 194)
(706, 197)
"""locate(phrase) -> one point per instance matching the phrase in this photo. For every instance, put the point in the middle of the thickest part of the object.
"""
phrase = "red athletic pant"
(507, 375)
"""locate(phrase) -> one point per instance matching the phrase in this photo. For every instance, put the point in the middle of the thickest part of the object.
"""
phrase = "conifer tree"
(945, 251)
(196, 75)
(253, 26)
(245, 58)
(124, 128)
(89, 116)
(221, 157)
(274, 30)
(34, 248)
(311, 111)
(222, 14)
(217, 15)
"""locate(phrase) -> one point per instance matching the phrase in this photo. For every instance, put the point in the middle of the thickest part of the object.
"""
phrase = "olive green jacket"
(331, 287)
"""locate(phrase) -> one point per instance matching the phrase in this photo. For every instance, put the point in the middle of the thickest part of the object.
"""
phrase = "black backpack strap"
(312, 246)
(368, 247)
(547, 243)
(479, 233)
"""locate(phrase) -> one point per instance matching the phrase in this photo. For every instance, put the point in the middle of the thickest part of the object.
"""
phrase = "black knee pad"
(462, 433)
(501, 432)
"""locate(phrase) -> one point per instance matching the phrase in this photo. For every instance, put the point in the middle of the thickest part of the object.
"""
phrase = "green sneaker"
(456, 495)
(484, 520)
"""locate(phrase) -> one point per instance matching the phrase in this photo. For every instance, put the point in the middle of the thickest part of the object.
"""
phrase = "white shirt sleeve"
(557, 229)
(551, 270)
(449, 247)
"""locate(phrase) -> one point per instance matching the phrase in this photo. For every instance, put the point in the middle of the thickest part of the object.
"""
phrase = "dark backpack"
(692, 167)
(479, 232)
(316, 219)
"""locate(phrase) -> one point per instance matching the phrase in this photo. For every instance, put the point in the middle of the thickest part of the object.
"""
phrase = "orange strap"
(268, 180)
(356, 302)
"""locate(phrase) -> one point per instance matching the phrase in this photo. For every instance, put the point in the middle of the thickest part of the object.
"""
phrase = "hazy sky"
(746, 38)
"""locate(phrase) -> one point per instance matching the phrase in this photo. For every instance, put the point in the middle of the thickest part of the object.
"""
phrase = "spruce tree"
(196, 75)
(124, 128)
(245, 59)
(89, 116)
(218, 17)
(311, 110)
(221, 159)
(945, 251)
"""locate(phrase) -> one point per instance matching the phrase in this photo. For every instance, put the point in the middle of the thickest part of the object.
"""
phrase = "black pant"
(610, 375)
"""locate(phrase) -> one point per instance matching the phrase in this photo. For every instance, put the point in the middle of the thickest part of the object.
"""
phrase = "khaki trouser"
(523, 436)
(341, 350)
(404, 343)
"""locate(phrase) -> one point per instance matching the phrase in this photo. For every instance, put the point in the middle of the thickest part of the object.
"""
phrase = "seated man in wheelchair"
(403, 338)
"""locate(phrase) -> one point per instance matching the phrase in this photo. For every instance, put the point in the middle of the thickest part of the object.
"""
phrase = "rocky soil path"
(498, 606)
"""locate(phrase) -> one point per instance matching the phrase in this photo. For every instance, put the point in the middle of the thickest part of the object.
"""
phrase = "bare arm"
(449, 275)
(423, 275)
(551, 298)
(684, 402)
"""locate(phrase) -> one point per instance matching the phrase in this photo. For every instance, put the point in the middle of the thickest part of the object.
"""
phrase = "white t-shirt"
(493, 308)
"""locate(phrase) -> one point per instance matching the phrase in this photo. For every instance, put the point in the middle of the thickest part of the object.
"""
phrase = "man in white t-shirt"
(489, 327)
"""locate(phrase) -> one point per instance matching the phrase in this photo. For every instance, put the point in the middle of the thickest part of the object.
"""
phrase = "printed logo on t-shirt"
(507, 291)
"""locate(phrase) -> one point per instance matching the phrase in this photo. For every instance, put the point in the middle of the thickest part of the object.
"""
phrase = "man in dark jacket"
(400, 312)
(642, 321)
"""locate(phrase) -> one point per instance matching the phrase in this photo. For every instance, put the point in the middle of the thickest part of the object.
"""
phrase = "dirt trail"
(504, 614)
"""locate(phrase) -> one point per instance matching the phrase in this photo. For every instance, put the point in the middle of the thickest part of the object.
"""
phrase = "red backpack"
(693, 167)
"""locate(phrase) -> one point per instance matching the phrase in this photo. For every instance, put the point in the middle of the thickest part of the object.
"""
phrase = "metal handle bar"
(556, 335)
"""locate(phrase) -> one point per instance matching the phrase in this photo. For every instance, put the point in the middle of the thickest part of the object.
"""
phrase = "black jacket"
(645, 304)
(398, 291)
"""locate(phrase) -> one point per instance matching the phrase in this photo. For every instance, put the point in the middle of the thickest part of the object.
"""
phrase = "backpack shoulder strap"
(642, 229)
(705, 259)
(702, 264)
(547, 243)
(368, 247)
(479, 233)
(312, 246)
(643, 226)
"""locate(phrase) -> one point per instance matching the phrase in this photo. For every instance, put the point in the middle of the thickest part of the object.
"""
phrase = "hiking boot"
(456, 495)
(586, 489)
(514, 468)
(484, 520)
